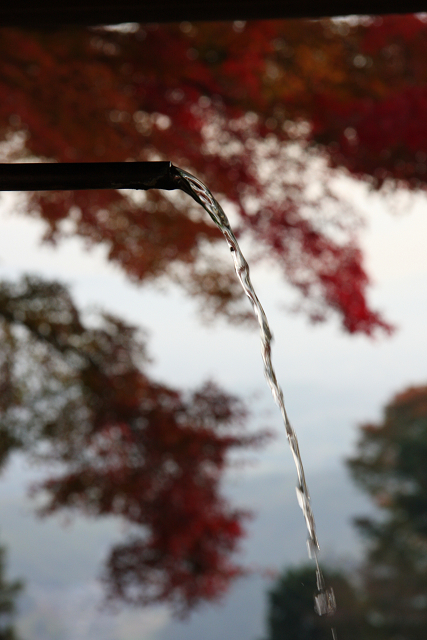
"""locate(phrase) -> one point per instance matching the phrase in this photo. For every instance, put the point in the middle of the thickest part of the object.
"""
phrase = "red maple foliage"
(126, 445)
(156, 459)
(375, 125)
(215, 99)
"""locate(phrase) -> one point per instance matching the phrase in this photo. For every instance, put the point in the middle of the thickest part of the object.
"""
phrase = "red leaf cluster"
(125, 445)
(377, 127)
(156, 460)
(210, 99)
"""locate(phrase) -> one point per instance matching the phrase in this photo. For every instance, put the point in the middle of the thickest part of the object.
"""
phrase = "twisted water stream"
(324, 600)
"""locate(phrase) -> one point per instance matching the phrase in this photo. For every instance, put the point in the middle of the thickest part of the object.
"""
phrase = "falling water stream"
(324, 599)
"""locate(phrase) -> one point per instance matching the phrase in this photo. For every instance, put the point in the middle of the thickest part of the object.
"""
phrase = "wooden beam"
(54, 13)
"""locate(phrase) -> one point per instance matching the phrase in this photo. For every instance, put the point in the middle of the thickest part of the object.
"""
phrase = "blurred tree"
(123, 444)
(391, 465)
(8, 594)
(239, 105)
(291, 614)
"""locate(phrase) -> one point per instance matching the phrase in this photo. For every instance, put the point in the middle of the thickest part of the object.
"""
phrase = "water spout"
(324, 599)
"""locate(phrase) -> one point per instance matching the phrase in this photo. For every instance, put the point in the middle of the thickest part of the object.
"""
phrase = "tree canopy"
(247, 107)
(390, 465)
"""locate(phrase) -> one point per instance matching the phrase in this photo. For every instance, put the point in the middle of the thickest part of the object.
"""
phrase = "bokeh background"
(321, 173)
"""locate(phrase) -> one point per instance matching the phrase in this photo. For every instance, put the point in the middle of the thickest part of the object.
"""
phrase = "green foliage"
(291, 613)
(391, 465)
(8, 594)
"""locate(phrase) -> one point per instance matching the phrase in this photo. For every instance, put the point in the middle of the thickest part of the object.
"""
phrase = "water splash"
(324, 599)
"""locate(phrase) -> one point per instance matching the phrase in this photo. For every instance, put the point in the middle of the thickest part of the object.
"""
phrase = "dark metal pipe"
(87, 175)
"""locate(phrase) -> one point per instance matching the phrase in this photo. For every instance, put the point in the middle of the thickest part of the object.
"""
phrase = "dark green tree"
(391, 465)
(8, 594)
(291, 612)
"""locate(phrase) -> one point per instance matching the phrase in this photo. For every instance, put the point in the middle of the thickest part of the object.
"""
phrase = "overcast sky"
(332, 383)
